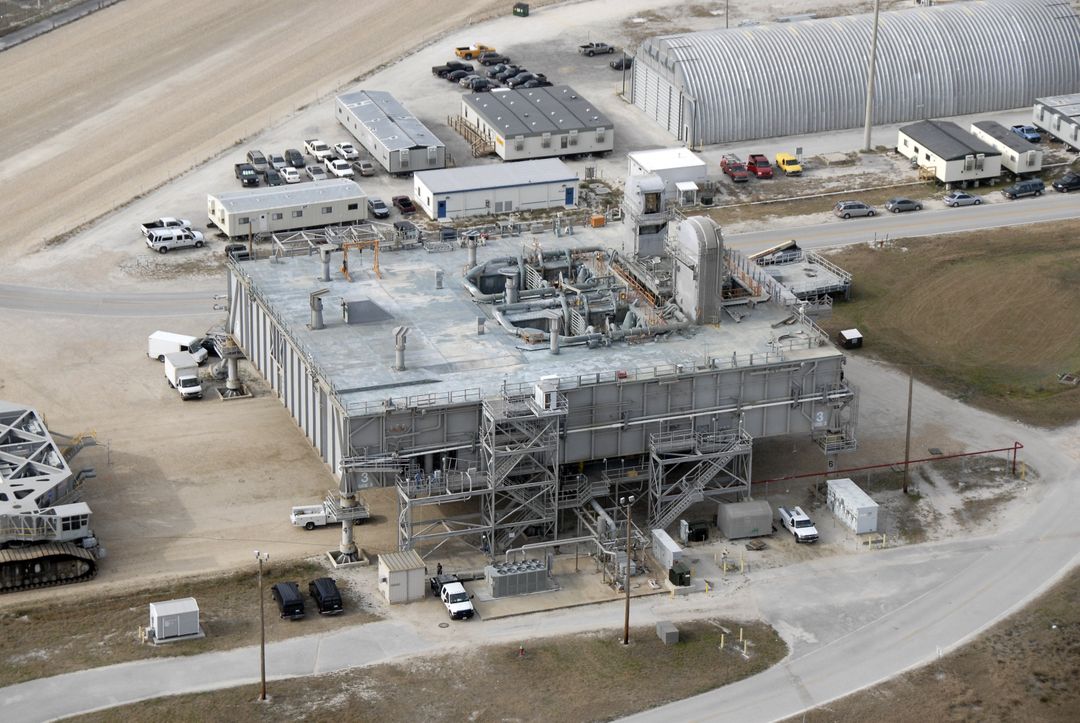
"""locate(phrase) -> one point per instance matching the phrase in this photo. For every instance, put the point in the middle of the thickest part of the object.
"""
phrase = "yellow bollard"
(706, 586)
(725, 567)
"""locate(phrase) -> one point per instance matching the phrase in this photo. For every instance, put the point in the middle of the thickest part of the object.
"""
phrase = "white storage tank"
(852, 506)
(666, 551)
(174, 618)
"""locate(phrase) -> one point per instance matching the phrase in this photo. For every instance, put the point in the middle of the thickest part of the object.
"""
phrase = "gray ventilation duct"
(316, 304)
(399, 348)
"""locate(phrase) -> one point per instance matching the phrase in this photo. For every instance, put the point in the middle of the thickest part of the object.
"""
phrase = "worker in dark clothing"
(438, 569)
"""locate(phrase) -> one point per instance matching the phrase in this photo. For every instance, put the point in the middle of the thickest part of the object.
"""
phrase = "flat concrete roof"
(296, 194)
(662, 159)
(502, 175)
(535, 111)
(387, 119)
(1063, 105)
(444, 353)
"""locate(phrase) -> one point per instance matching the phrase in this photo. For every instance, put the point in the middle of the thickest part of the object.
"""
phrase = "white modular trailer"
(538, 122)
(1018, 155)
(666, 551)
(955, 155)
(394, 137)
(1060, 116)
(402, 577)
(852, 506)
(287, 208)
(174, 618)
(678, 168)
(490, 189)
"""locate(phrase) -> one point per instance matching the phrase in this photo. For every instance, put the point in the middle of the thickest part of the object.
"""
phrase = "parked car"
(346, 151)
(508, 73)
(316, 173)
(492, 59)
(468, 52)
(898, 205)
(339, 168)
(456, 75)
(759, 165)
(245, 173)
(959, 198)
(318, 150)
(1028, 133)
(734, 168)
(521, 79)
(290, 175)
(789, 164)
(290, 601)
(295, 158)
(326, 595)
(623, 63)
(591, 49)
(441, 70)
(404, 204)
(363, 168)
(377, 208)
(537, 83)
(468, 79)
(273, 178)
(257, 160)
(481, 85)
(847, 209)
(501, 67)
(1032, 187)
(277, 162)
(1069, 182)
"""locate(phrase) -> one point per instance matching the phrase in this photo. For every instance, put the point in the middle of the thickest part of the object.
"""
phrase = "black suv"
(327, 598)
(290, 601)
(295, 159)
(1069, 182)
(1033, 187)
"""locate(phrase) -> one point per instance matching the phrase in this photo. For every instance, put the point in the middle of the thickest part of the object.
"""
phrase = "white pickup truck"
(328, 513)
(454, 596)
(164, 222)
(319, 150)
(799, 524)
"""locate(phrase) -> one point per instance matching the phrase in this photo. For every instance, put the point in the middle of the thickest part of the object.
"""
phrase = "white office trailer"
(852, 506)
(395, 138)
(681, 170)
(174, 619)
(402, 577)
(666, 551)
(953, 154)
(538, 122)
(1059, 116)
(287, 208)
(1018, 155)
(492, 189)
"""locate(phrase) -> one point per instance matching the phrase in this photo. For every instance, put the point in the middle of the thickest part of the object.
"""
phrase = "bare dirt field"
(988, 316)
(584, 677)
(1023, 669)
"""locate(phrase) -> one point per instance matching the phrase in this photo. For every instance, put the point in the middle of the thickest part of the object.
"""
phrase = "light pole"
(627, 502)
(261, 557)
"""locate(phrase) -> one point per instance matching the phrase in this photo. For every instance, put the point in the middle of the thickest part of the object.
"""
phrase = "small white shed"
(852, 506)
(174, 618)
(666, 551)
(402, 577)
(681, 170)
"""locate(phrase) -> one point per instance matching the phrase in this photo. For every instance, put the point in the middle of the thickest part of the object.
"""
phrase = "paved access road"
(93, 303)
(930, 222)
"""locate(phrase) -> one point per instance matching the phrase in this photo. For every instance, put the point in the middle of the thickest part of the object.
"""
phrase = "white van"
(163, 239)
(164, 342)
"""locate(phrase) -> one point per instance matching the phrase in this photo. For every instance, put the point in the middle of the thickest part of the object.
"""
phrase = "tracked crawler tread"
(53, 563)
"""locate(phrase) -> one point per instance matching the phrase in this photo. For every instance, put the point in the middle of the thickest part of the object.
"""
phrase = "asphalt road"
(931, 222)
(92, 303)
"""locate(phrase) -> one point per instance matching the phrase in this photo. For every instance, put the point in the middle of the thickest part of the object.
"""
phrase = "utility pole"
(907, 436)
(261, 557)
(627, 501)
(870, 79)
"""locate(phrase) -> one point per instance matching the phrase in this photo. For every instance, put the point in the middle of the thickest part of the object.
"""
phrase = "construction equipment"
(45, 535)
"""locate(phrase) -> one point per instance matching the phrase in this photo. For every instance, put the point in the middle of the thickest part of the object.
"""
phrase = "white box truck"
(183, 374)
(165, 342)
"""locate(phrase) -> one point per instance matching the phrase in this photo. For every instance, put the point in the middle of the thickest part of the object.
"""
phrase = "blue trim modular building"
(490, 189)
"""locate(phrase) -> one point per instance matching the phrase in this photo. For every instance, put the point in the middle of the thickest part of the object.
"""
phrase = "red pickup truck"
(759, 165)
(734, 168)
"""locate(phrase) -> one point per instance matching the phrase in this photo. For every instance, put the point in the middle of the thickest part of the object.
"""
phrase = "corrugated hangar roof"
(535, 111)
(333, 189)
(386, 118)
(810, 76)
(946, 140)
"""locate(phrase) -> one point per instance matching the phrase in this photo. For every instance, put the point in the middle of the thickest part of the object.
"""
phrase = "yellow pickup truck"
(789, 164)
(473, 51)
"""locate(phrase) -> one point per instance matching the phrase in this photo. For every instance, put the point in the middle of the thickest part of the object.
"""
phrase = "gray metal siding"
(807, 77)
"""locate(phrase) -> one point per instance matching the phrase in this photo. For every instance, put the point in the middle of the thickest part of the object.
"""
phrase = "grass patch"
(583, 677)
(987, 316)
(1024, 668)
(42, 638)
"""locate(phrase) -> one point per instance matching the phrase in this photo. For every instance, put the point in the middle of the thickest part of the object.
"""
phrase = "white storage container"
(666, 551)
(174, 618)
(852, 506)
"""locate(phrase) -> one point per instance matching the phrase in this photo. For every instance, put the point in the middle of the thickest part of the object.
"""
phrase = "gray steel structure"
(395, 138)
(418, 396)
(785, 79)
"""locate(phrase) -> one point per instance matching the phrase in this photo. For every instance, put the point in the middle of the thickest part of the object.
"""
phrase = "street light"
(261, 557)
(627, 502)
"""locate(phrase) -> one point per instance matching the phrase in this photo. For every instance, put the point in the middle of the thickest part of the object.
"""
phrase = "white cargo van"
(163, 239)
(164, 342)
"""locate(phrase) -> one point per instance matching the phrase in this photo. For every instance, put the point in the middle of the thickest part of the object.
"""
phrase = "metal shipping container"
(852, 506)
(751, 518)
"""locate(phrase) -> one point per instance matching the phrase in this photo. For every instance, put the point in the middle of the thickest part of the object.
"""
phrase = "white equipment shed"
(954, 155)
(402, 577)
(538, 122)
(287, 208)
(1060, 117)
(1019, 155)
(490, 189)
(852, 506)
(681, 170)
(666, 551)
(394, 137)
(174, 619)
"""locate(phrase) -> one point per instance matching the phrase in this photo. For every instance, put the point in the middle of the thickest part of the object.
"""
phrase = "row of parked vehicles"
(341, 160)
(758, 166)
(323, 590)
(500, 70)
